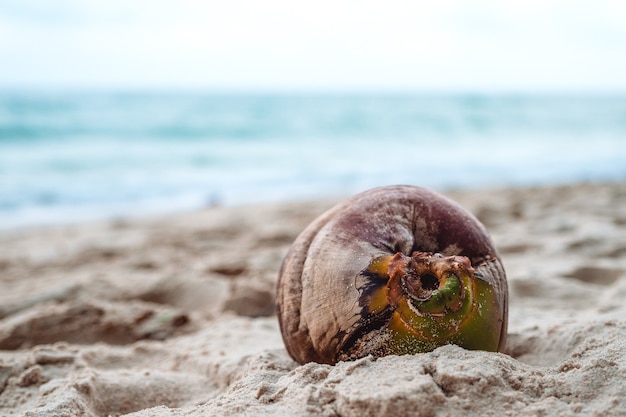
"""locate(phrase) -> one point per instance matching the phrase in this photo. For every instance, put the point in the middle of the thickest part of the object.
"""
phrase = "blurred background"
(120, 109)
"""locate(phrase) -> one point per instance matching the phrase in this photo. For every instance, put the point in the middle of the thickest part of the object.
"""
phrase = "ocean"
(77, 156)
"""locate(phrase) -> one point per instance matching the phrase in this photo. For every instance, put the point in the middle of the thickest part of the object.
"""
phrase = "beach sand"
(173, 316)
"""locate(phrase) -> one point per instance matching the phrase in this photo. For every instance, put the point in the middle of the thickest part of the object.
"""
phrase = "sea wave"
(66, 157)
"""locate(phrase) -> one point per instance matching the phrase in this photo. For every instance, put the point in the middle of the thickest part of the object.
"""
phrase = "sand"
(173, 316)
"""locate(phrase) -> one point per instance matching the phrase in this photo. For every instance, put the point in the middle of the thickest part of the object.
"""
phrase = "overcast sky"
(479, 45)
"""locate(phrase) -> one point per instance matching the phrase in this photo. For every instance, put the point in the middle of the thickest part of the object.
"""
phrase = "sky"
(443, 45)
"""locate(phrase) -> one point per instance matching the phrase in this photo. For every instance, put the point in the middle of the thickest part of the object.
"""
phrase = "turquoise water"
(78, 156)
